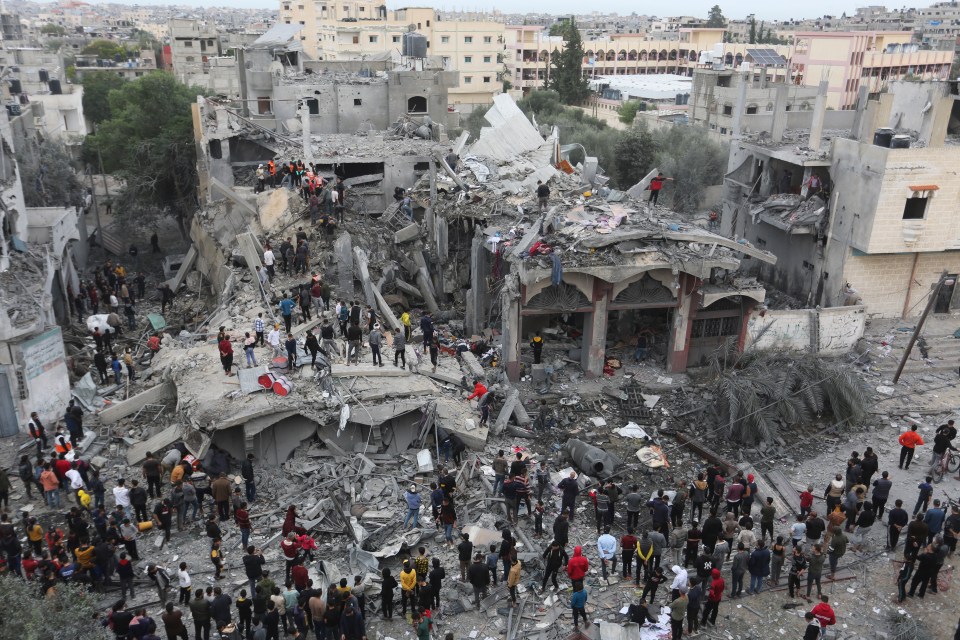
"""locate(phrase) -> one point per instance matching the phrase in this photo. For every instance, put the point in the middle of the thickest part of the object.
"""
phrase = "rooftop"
(659, 86)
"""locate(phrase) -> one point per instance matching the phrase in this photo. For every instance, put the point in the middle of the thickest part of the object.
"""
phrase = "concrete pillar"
(343, 251)
(594, 346)
(807, 172)
(763, 77)
(819, 115)
(748, 305)
(779, 113)
(862, 117)
(741, 106)
(510, 331)
(478, 298)
(307, 138)
(679, 346)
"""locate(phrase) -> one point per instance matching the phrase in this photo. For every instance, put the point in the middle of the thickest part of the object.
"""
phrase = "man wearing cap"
(413, 507)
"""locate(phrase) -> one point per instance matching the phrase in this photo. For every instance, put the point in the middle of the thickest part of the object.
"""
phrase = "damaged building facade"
(858, 205)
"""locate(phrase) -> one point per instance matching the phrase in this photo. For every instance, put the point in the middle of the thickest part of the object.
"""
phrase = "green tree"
(559, 27)
(715, 19)
(48, 176)
(97, 87)
(148, 142)
(51, 29)
(752, 38)
(66, 614)
(694, 162)
(567, 77)
(634, 155)
(105, 49)
(628, 111)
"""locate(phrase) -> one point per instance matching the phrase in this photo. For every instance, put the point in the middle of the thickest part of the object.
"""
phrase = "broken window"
(417, 104)
(752, 110)
(716, 327)
(264, 104)
(728, 110)
(915, 208)
(313, 106)
(357, 102)
(216, 151)
(486, 79)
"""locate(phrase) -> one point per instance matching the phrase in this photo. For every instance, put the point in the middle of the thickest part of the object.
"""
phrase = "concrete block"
(538, 373)
(130, 406)
(408, 233)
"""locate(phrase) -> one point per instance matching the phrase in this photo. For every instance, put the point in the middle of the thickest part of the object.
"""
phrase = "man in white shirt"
(76, 480)
(274, 339)
(121, 496)
(268, 261)
(607, 547)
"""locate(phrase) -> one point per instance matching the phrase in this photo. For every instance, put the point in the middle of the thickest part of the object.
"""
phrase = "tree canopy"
(51, 29)
(628, 111)
(96, 92)
(566, 76)
(67, 613)
(715, 18)
(48, 177)
(105, 49)
(148, 141)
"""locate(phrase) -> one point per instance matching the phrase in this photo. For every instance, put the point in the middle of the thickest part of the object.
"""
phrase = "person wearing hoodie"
(577, 568)
(578, 601)
(759, 567)
(386, 594)
(680, 581)
(413, 507)
(714, 596)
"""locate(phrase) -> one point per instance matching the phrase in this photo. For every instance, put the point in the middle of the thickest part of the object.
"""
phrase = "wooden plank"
(766, 489)
(785, 488)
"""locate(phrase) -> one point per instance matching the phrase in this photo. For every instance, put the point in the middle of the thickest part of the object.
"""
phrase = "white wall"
(43, 363)
(832, 331)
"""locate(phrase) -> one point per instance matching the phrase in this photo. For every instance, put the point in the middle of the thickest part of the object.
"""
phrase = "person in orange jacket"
(478, 390)
(908, 442)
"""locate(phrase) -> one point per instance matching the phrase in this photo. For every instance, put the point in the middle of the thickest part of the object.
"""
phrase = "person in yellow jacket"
(513, 579)
(84, 555)
(644, 554)
(537, 345)
(84, 499)
(35, 535)
(408, 587)
(176, 474)
(405, 320)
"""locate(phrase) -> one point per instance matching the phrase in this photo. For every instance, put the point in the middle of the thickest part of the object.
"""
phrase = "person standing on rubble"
(273, 338)
(286, 311)
(226, 355)
(570, 489)
(426, 327)
(413, 501)
(543, 195)
(909, 441)
(399, 348)
(408, 588)
(434, 353)
(376, 341)
(220, 492)
(656, 185)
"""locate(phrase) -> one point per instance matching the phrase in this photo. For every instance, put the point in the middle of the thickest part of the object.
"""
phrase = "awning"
(923, 187)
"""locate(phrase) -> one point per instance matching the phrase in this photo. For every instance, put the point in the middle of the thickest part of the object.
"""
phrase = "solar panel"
(766, 57)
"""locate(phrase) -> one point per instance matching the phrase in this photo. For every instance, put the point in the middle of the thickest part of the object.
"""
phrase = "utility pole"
(923, 317)
(96, 207)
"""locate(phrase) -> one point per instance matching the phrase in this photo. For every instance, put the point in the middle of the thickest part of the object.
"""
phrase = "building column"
(745, 323)
(687, 302)
(510, 331)
(594, 347)
(804, 188)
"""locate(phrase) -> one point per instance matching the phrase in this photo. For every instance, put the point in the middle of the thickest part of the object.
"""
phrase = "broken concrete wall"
(211, 261)
(832, 331)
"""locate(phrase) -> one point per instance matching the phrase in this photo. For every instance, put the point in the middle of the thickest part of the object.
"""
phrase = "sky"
(735, 9)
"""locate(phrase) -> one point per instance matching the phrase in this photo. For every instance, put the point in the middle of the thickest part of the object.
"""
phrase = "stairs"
(111, 243)
(944, 354)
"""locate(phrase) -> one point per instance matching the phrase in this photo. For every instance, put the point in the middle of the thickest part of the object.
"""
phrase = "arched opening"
(738, 60)
(544, 55)
(693, 56)
(632, 55)
(417, 104)
(728, 59)
(643, 55)
(663, 55)
(672, 55)
(622, 55)
(611, 55)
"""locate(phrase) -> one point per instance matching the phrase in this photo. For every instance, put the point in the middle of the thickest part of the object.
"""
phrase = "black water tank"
(883, 137)
(15, 87)
(14, 109)
(900, 142)
(44, 75)
(55, 87)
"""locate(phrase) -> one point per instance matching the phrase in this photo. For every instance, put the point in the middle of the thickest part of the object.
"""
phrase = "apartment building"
(871, 59)
(528, 56)
(192, 44)
(356, 28)
(883, 228)
(939, 25)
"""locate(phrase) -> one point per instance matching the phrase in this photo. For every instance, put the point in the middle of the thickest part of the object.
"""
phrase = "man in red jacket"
(824, 613)
(577, 568)
(714, 596)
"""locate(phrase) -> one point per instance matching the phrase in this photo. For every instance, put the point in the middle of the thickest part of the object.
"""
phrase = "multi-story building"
(715, 96)
(192, 44)
(866, 213)
(850, 60)
(129, 70)
(357, 28)
(528, 56)
(939, 25)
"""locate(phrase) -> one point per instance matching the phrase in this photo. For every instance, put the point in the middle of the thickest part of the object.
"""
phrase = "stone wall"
(829, 332)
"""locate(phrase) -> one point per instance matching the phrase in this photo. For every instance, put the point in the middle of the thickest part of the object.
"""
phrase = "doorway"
(945, 298)
(9, 425)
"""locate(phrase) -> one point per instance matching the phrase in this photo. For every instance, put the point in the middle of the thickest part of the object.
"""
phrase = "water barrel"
(282, 386)
(55, 88)
(900, 142)
(882, 137)
(15, 87)
(44, 75)
(266, 380)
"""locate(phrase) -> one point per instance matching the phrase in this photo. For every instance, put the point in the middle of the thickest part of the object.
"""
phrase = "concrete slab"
(408, 233)
(248, 379)
(128, 407)
(473, 365)
(159, 442)
(636, 191)
(369, 370)
(443, 375)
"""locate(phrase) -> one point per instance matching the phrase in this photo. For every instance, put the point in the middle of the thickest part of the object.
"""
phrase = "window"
(373, 39)
(727, 110)
(396, 38)
(915, 208)
(263, 104)
(468, 80)
(444, 39)
(428, 23)
(751, 110)
(487, 39)
(357, 102)
(302, 22)
(723, 131)
(486, 59)
(486, 79)
(468, 39)
(356, 39)
(189, 58)
(188, 43)
(467, 59)
(313, 106)
(417, 104)
(362, 9)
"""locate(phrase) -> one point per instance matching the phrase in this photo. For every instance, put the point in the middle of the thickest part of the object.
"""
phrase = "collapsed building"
(857, 205)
